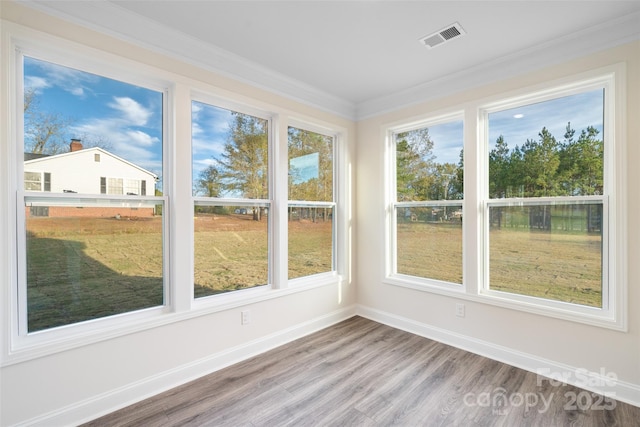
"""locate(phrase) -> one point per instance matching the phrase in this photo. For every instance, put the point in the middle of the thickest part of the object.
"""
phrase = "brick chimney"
(76, 145)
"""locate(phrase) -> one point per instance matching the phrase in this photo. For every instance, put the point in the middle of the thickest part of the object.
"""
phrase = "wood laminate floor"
(362, 373)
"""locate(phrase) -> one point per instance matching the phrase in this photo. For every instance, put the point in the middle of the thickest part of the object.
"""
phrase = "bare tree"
(44, 132)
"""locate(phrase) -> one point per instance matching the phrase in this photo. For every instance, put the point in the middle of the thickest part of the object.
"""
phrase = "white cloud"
(196, 129)
(134, 146)
(141, 138)
(36, 83)
(71, 80)
(202, 146)
(133, 112)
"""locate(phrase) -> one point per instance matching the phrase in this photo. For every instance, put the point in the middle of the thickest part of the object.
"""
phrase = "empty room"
(322, 213)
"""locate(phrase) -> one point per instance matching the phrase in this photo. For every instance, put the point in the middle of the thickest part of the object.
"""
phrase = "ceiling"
(359, 58)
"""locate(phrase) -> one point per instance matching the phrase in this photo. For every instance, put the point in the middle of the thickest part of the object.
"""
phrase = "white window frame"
(392, 276)
(177, 189)
(40, 181)
(338, 183)
(613, 313)
(271, 118)
(23, 345)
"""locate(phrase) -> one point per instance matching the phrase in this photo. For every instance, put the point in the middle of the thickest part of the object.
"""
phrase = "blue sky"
(129, 117)
(522, 123)
(209, 129)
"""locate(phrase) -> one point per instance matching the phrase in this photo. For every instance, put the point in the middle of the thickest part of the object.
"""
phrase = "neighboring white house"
(87, 171)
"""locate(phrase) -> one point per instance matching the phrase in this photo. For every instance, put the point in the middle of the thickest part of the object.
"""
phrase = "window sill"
(48, 342)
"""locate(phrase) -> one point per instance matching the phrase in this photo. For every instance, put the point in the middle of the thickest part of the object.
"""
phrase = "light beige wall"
(563, 342)
(67, 386)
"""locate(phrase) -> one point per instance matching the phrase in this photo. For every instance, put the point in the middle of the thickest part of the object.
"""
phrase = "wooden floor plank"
(361, 373)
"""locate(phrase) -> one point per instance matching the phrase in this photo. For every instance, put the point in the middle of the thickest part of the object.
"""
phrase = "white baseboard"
(599, 382)
(113, 400)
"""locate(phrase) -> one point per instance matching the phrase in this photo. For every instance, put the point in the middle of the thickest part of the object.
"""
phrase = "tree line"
(241, 170)
(539, 167)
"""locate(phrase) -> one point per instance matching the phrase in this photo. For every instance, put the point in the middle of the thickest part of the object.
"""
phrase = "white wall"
(528, 340)
(83, 381)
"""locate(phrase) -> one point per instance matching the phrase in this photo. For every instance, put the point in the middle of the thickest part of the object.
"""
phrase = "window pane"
(72, 118)
(552, 148)
(32, 181)
(310, 240)
(548, 251)
(310, 166)
(90, 258)
(429, 163)
(230, 153)
(86, 262)
(231, 248)
(429, 242)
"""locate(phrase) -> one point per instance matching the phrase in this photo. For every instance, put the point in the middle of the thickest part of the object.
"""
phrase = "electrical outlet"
(245, 317)
(460, 310)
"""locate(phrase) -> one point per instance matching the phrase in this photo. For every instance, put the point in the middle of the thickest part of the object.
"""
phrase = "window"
(114, 186)
(231, 181)
(543, 226)
(47, 181)
(428, 200)
(92, 228)
(311, 207)
(33, 181)
(84, 252)
(546, 210)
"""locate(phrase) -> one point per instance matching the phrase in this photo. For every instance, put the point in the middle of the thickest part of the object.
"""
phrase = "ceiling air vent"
(448, 33)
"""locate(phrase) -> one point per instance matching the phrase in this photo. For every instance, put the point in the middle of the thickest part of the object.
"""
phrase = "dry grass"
(561, 266)
(85, 268)
(432, 250)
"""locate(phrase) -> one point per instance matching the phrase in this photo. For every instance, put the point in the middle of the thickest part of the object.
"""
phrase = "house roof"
(37, 158)
(32, 156)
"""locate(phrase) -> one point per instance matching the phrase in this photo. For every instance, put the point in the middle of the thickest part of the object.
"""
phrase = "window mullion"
(474, 185)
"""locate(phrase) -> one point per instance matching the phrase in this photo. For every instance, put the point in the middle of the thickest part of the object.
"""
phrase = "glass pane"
(310, 240)
(231, 248)
(86, 262)
(310, 166)
(429, 242)
(552, 148)
(80, 127)
(32, 181)
(230, 153)
(429, 163)
(548, 251)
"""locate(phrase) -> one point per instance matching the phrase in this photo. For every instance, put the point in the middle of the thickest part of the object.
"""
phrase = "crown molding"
(108, 18)
(606, 35)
